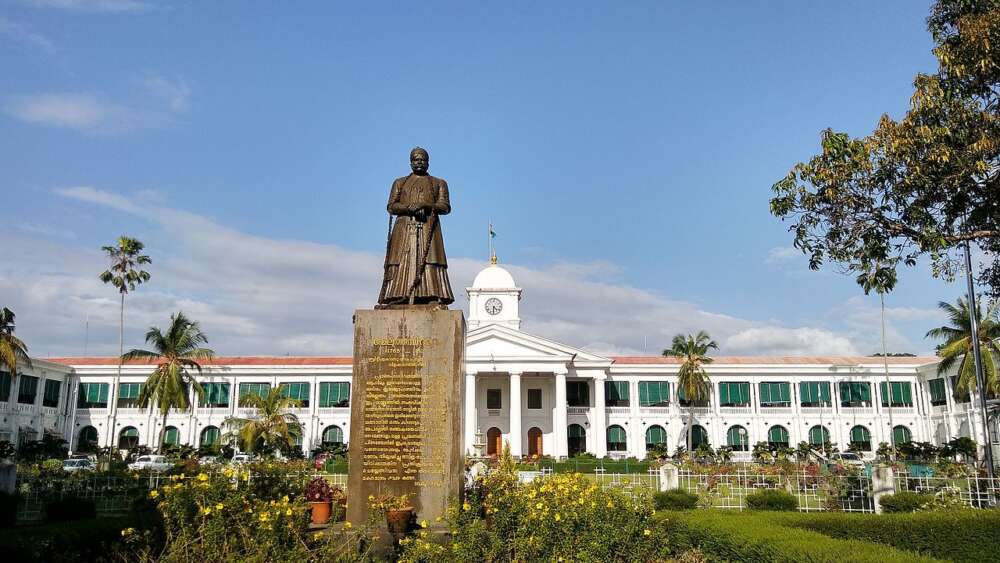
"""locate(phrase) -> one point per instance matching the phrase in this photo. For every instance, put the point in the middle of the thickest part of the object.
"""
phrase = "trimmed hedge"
(772, 499)
(905, 501)
(728, 536)
(62, 542)
(960, 535)
(674, 499)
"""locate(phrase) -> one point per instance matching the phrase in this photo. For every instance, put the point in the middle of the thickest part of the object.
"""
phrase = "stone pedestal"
(406, 409)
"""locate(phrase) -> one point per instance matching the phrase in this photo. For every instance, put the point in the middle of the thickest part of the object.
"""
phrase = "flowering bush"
(385, 503)
(561, 517)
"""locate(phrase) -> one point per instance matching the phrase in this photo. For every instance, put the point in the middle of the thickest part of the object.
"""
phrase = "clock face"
(493, 306)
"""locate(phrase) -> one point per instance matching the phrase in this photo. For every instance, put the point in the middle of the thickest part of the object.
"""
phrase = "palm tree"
(175, 353)
(13, 350)
(692, 379)
(957, 346)
(271, 428)
(125, 276)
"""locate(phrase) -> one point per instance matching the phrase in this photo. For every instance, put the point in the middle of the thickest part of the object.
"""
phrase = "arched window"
(577, 439)
(901, 435)
(87, 440)
(818, 435)
(494, 441)
(332, 435)
(699, 436)
(172, 436)
(777, 436)
(655, 436)
(128, 438)
(209, 436)
(535, 441)
(737, 439)
(861, 438)
(616, 439)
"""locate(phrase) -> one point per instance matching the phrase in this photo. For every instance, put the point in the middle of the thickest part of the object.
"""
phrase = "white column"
(560, 418)
(471, 417)
(515, 414)
(601, 421)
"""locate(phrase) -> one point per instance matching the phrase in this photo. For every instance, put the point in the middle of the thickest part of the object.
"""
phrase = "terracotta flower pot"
(398, 522)
(320, 512)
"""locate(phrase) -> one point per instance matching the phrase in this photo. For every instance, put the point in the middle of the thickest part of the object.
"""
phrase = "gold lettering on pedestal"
(404, 423)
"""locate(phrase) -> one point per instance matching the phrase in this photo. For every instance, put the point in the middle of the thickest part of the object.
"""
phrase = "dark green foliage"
(69, 508)
(8, 509)
(904, 501)
(730, 536)
(675, 499)
(63, 542)
(772, 499)
(588, 464)
(961, 535)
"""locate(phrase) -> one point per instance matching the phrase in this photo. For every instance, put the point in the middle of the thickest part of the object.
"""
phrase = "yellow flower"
(154, 494)
(610, 504)
(646, 532)
(264, 517)
(128, 532)
(538, 506)
(288, 512)
(558, 517)
(347, 525)
(423, 523)
(466, 506)
(284, 499)
(202, 477)
(318, 535)
(206, 511)
(218, 506)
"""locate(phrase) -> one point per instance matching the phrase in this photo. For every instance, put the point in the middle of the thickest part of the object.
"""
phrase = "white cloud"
(94, 5)
(23, 33)
(84, 112)
(780, 254)
(174, 92)
(255, 295)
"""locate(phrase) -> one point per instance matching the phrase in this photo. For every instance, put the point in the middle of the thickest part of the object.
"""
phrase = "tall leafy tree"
(692, 378)
(13, 351)
(177, 354)
(956, 347)
(271, 428)
(919, 187)
(125, 275)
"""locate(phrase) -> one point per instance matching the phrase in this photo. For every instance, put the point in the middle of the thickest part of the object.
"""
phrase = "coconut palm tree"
(13, 351)
(125, 276)
(692, 379)
(175, 353)
(270, 428)
(957, 345)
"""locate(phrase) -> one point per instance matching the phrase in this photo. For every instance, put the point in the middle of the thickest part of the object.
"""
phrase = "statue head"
(419, 159)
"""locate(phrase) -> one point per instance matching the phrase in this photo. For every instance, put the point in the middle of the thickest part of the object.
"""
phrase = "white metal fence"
(977, 492)
(814, 492)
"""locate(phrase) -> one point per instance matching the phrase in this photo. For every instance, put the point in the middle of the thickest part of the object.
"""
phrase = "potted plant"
(398, 512)
(340, 499)
(319, 494)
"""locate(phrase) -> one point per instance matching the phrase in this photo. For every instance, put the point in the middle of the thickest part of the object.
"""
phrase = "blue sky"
(625, 153)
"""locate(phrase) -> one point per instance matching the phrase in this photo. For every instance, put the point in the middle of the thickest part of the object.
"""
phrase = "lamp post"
(977, 355)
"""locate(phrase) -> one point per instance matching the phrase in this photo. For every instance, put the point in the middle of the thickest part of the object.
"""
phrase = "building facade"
(546, 398)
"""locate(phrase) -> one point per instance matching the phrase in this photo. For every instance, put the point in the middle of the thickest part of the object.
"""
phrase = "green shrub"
(772, 499)
(963, 535)
(62, 542)
(69, 508)
(904, 501)
(674, 499)
(731, 536)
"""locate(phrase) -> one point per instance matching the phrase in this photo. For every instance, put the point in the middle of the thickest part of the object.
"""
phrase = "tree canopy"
(918, 187)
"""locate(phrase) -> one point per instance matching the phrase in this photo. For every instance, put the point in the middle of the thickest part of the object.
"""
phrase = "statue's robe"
(409, 194)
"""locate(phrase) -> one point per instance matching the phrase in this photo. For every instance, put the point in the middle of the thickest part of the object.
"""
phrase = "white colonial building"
(541, 397)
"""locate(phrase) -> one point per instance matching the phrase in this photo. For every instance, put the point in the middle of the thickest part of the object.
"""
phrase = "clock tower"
(493, 299)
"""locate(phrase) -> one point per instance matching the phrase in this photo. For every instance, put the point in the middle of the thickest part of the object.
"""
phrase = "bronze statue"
(416, 269)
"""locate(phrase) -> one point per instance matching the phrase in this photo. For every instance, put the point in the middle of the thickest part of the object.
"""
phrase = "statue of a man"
(416, 269)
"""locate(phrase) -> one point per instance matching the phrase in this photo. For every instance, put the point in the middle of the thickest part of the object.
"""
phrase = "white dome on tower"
(494, 277)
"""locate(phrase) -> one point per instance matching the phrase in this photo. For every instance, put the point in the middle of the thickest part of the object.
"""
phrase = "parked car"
(848, 458)
(151, 462)
(208, 460)
(74, 465)
(242, 458)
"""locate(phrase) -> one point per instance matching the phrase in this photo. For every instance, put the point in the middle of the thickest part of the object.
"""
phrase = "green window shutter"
(643, 394)
(907, 394)
(784, 393)
(824, 393)
(865, 391)
(623, 390)
(744, 389)
(723, 393)
(765, 393)
(4, 386)
(805, 392)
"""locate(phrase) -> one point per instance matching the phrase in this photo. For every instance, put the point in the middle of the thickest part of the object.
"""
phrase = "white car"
(848, 458)
(74, 465)
(208, 460)
(151, 462)
(241, 459)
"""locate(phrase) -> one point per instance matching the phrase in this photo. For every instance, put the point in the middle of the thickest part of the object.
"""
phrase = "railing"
(776, 410)
(577, 410)
(50, 411)
(974, 491)
(492, 412)
(816, 410)
(345, 411)
(619, 410)
(741, 409)
(24, 408)
(655, 410)
(857, 410)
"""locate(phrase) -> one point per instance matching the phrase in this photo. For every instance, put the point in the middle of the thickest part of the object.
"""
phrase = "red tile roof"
(756, 360)
(220, 361)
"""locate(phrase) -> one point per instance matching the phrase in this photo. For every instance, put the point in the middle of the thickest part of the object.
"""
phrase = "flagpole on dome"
(492, 234)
